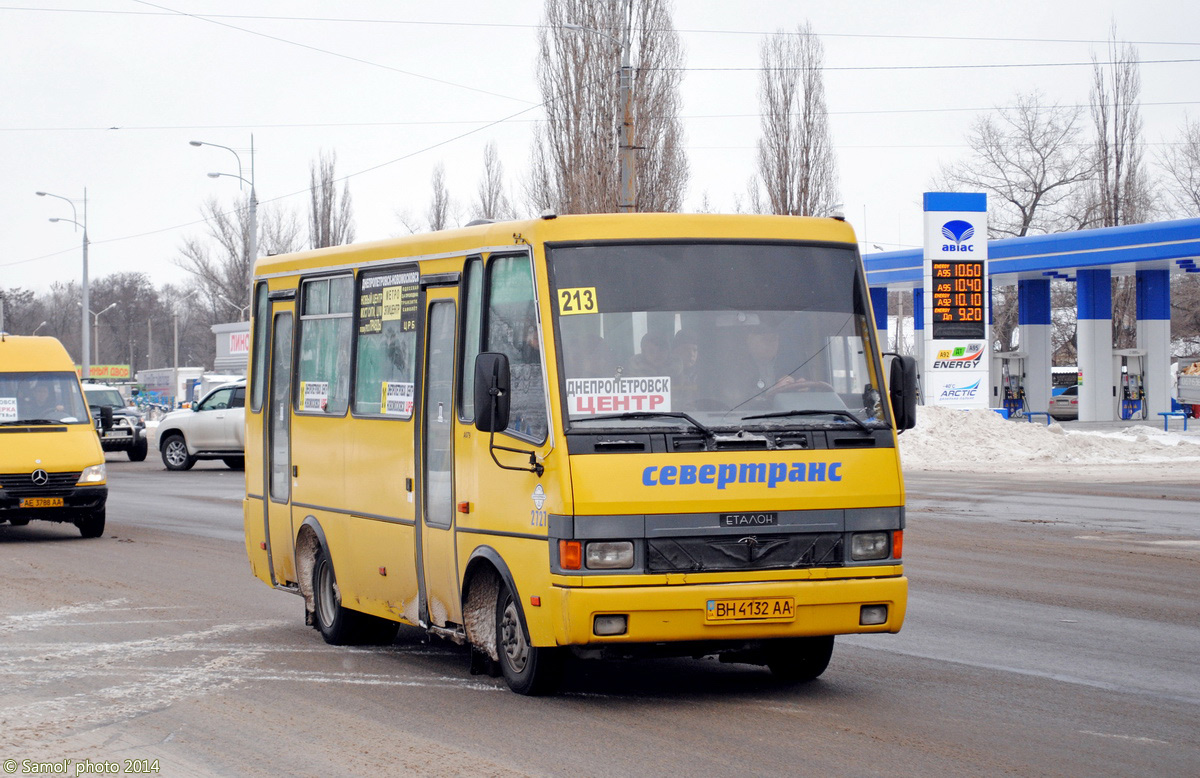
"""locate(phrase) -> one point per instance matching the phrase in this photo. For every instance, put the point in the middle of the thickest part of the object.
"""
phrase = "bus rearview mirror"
(902, 387)
(492, 398)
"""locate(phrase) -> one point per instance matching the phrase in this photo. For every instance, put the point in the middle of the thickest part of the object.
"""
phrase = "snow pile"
(984, 441)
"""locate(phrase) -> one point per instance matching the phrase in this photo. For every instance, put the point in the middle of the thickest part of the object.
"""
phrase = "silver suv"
(213, 428)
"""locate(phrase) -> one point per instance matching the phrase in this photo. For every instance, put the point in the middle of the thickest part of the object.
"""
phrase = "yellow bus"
(604, 435)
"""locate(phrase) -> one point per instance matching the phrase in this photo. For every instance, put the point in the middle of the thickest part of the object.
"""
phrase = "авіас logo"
(957, 231)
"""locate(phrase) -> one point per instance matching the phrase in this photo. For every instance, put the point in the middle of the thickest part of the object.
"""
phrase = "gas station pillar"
(918, 295)
(1154, 336)
(1033, 315)
(1093, 340)
(879, 304)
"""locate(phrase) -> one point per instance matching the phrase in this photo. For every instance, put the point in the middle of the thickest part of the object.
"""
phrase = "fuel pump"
(1011, 387)
(1129, 364)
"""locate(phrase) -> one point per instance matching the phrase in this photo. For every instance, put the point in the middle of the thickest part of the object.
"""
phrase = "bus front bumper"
(677, 613)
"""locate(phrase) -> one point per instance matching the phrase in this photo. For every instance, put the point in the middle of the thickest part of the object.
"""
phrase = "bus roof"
(637, 226)
(33, 353)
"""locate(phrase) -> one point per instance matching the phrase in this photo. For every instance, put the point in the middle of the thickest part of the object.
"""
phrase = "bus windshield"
(41, 398)
(729, 336)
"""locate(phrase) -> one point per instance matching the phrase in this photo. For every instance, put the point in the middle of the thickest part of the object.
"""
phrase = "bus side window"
(472, 308)
(512, 330)
(386, 351)
(324, 359)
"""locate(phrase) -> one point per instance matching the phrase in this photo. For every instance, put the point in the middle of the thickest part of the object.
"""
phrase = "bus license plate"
(751, 609)
(42, 502)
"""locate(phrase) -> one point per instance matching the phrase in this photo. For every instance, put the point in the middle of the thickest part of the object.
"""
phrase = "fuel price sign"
(958, 310)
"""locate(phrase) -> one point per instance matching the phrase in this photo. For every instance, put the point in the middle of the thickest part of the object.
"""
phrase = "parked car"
(128, 429)
(1065, 405)
(213, 428)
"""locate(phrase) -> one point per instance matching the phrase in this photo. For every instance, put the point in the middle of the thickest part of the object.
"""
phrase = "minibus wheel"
(794, 660)
(527, 669)
(342, 626)
(92, 524)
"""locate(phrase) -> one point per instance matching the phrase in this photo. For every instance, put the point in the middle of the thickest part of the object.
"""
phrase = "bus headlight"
(868, 545)
(93, 474)
(610, 555)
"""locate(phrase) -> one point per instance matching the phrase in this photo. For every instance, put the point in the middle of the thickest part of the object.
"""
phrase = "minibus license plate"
(751, 609)
(42, 502)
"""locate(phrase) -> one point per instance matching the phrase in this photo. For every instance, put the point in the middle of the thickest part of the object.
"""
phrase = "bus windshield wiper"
(810, 412)
(651, 415)
(23, 422)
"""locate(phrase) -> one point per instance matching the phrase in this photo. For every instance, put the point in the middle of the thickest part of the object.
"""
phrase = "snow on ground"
(983, 441)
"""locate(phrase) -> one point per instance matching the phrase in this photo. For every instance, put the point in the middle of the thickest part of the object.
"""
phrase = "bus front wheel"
(527, 669)
(794, 660)
(338, 625)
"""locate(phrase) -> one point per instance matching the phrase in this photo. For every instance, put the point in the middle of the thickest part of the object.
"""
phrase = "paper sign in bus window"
(397, 398)
(315, 394)
(589, 396)
(8, 408)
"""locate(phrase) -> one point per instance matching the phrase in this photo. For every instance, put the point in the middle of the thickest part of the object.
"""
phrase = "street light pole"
(625, 147)
(85, 353)
(175, 380)
(252, 241)
(96, 328)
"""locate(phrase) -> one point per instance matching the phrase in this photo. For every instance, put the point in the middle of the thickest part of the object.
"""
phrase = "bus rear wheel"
(795, 660)
(527, 669)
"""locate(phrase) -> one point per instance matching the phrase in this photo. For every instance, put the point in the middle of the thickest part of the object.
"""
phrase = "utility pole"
(628, 168)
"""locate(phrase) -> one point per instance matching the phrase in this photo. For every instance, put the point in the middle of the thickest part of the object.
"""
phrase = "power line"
(501, 25)
(327, 52)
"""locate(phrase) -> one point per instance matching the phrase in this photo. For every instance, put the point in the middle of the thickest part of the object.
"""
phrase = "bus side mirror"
(103, 416)
(492, 398)
(902, 388)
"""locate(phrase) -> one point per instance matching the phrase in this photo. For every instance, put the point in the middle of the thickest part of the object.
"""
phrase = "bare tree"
(493, 203)
(221, 263)
(330, 215)
(23, 311)
(123, 333)
(1030, 161)
(574, 166)
(439, 206)
(1122, 193)
(1182, 164)
(796, 160)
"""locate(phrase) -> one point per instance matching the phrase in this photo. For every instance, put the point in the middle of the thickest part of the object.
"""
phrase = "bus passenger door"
(278, 451)
(436, 551)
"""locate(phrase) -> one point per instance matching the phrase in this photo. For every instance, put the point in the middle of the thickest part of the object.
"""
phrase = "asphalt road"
(1053, 629)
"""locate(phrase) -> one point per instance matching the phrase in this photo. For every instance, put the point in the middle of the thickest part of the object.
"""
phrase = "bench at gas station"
(1167, 415)
(1030, 414)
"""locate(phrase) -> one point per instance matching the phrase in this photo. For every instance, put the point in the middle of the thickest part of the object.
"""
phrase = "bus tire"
(175, 453)
(527, 669)
(234, 463)
(91, 525)
(341, 626)
(795, 660)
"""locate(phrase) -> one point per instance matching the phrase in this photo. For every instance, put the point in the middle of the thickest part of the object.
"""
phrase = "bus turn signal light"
(570, 554)
(897, 544)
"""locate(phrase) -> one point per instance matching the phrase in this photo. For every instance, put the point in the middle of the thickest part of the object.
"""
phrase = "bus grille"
(745, 552)
(22, 485)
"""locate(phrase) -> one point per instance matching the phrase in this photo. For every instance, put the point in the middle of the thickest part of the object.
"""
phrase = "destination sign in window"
(958, 300)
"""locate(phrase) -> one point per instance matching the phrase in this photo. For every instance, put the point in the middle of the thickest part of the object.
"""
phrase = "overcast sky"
(106, 94)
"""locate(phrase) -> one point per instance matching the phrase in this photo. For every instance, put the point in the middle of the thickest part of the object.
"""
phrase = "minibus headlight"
(868, 545)
(610, 555)
(91, 475)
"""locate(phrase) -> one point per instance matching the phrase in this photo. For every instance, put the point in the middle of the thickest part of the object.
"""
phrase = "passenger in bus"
(654, 358)
(685, 372)
(588, 356)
